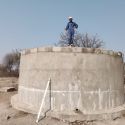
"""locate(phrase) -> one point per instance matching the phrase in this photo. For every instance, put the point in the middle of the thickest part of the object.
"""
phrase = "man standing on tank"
(70, 28)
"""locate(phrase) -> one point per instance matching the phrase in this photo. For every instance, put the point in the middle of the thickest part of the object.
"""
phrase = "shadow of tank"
(85, 83)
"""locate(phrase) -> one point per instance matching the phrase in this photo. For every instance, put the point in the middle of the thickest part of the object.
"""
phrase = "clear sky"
(34, 23)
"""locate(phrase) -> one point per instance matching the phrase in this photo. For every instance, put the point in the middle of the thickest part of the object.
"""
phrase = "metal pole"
(42, 102)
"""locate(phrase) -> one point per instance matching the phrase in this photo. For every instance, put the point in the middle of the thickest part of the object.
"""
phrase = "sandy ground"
(11, 116)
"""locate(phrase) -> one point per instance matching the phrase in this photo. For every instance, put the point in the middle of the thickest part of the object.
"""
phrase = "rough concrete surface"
(90, 80)
(11, 116)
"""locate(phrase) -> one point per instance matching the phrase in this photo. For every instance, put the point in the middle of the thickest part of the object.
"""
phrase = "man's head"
(70, 18)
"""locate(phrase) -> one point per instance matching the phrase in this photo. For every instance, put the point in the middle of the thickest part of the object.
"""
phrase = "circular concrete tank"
(89, 81)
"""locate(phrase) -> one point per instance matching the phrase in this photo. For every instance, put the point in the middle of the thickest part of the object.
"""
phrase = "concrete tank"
(82, 79)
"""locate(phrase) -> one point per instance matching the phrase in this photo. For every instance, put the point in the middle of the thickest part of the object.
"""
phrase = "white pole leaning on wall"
(43, 99)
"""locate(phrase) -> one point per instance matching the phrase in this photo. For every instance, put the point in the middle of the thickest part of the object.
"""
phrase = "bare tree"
(11, 62)
(81, 40)
(2, 68)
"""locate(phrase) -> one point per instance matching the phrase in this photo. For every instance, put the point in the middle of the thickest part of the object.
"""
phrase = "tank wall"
(87, 81)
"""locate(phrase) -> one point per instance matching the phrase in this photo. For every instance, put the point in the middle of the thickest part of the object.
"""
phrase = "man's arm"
(67, 27)
(76, 25)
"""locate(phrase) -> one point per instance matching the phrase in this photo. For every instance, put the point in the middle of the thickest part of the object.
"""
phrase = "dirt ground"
(11, 116)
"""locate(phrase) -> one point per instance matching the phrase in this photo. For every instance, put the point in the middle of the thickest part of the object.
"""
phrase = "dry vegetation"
(82, 40)
(10, 64)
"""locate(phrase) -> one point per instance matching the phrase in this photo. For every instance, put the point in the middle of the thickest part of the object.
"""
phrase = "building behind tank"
(84, 79)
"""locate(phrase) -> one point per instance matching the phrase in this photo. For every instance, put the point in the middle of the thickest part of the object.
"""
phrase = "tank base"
(71, 116)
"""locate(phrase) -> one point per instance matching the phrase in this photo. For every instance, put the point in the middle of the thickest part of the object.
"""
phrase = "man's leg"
(69, 39)
(72, 39)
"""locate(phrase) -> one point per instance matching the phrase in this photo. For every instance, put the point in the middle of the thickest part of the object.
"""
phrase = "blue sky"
(34, 23)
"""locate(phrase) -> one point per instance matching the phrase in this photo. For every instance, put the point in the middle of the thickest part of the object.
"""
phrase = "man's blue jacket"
(71, 26)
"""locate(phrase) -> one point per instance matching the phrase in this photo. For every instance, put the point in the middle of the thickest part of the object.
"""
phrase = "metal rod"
(42, 102)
